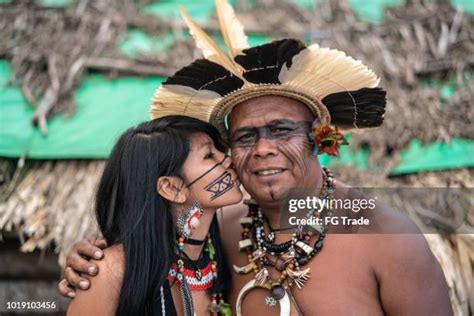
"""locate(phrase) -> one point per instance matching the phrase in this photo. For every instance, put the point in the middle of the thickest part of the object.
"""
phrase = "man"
(265, 101)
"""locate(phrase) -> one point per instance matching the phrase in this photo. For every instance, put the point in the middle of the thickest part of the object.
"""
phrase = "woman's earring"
(327, 139)
(188, 220)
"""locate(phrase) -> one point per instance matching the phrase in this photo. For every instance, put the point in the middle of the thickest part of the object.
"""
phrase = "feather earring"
(188, 220)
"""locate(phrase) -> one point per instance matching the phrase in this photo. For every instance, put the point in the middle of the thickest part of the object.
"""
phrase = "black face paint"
(295, 149)
(240, 157)
(291, 139)
(272, 194)
(221, 185)
(276, 130)
(208, 171)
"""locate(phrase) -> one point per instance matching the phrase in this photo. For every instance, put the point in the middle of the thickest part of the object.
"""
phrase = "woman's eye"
(209, 156)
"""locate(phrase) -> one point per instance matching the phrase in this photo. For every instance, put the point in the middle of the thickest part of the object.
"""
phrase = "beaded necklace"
(198, 275)
(290, 256)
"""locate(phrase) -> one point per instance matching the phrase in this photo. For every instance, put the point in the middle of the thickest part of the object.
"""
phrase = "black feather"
(203, 74)
(368, 102)
(263, 63)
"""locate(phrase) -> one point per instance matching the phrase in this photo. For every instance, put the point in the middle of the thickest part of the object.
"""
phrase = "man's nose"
(227, 162)
(265, 148)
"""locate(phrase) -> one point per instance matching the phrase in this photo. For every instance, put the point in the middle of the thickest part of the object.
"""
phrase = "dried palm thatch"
(51, 203)
(50, 48)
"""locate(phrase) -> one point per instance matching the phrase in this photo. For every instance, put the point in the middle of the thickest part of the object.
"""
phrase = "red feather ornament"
(327, 139)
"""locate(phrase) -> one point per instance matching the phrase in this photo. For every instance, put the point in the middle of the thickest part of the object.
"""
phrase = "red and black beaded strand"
(199, 275)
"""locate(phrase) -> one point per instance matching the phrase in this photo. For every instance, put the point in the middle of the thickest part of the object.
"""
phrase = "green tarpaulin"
(55, 3)
(466, 5)
(105, 108)
(138, 42)
(372, 11)
(200, 11)
(459, 153)
(347, 157)
(368, 11)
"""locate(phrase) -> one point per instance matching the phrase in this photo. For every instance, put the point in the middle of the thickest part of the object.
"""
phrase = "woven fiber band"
(225, 106)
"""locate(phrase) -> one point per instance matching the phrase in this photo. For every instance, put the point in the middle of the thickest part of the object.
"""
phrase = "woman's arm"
(103, 294)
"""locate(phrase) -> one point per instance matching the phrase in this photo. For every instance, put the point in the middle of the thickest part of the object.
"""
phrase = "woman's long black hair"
(130, 212)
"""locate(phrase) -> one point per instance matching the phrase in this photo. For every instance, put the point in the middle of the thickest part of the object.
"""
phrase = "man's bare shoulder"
(383, 218)
(403, 263)
(392, 234)
(392, 221)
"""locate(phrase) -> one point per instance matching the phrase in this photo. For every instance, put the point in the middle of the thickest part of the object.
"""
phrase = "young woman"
(156, 206)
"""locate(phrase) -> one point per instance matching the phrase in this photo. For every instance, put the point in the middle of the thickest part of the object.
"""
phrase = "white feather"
(183, 100)
(209, 48)
(323, 71)
(231, 28)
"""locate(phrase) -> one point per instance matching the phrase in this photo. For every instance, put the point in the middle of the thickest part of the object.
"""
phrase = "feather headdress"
(335, 87)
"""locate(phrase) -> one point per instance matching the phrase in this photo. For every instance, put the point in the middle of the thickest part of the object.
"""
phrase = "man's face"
(271, 150)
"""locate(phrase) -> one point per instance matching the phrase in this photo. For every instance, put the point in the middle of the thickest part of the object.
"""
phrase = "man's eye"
(281, 130)
(245, 137)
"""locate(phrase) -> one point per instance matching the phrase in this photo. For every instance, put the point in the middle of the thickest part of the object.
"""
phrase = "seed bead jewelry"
(289, 257)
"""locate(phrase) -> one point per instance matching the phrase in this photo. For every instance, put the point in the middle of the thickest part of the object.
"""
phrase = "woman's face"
(209, 175)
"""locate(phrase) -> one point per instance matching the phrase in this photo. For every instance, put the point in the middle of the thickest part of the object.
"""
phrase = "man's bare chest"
(341, 282)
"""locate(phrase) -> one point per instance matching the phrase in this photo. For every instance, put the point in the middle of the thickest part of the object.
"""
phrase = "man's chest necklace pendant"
(288, 258)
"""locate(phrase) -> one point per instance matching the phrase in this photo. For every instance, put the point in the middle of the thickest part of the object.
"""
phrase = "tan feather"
(183, 100)
(209, 48)
(231, 28)
(323, 71)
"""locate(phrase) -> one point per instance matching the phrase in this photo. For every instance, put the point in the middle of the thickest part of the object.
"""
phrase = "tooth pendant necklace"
(287, 258)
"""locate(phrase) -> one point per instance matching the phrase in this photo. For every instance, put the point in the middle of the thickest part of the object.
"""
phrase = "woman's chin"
(232, 197)
(237, 197)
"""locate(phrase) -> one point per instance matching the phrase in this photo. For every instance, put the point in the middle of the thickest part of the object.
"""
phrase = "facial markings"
(295, 150)
(208, 171)
(291, 138)
(285, 132)
(220, 185)
(270, 190)
(240, 158)
(282, 129)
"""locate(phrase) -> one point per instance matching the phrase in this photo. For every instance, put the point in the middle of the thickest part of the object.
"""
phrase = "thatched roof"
(421, 47)
(50, 203)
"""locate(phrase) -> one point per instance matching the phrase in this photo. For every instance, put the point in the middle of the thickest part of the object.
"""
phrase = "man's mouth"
(268, 172)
